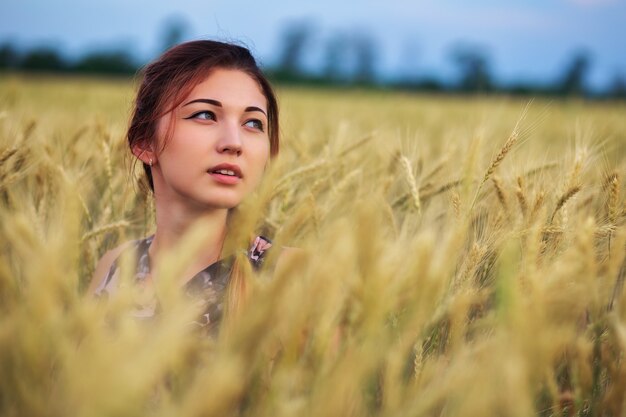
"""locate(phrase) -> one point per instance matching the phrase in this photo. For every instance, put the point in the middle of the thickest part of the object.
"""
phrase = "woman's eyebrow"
(253, 108)
(219, 104)
(204, 100)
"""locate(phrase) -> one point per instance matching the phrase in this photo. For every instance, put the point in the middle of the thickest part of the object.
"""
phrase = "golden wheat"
(571, 192)
(461, 310)
(410, 180)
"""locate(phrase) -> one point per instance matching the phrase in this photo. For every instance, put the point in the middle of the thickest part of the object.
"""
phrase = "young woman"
(205, 125)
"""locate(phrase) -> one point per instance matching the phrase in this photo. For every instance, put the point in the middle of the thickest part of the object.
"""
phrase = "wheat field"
(458, 257)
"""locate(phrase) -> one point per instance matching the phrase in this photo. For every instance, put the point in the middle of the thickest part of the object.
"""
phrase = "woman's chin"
(222, 203)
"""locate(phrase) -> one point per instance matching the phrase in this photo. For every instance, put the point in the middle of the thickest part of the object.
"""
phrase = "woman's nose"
(230, 140)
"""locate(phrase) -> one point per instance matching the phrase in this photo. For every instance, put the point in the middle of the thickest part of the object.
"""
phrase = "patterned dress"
(207, 286)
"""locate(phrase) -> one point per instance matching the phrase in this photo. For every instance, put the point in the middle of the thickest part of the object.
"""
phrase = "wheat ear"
(521, 196)
(500, 193)
(613, 198)
(564, 198)
(410, 179)
(506, 148)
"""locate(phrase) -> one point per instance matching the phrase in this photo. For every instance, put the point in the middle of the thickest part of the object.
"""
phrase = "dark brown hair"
(168, 80)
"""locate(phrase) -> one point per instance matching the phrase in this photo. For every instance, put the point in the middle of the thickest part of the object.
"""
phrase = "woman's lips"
(225, 179)
(226, 173)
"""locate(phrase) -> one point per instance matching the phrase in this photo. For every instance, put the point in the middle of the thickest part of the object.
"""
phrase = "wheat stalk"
(553, 230)
(85, 208)
(356, 145)
(11, 178)
(6, 154)
(578, 167)
(108, 166)
(536, 206)
(346, 181)
(29, 129)
(521, 197)
(612, 205)
(495, 163)
(435, 170)
(426, 193)
(443, 188)
(613, 198)
(571, 192)
(122, 224)
(456, 204)
(302, 171)
(410, 180)
(500, 193)
(534, 171)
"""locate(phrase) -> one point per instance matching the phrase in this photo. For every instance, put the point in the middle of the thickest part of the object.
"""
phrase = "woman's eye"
(255, 124)
(203, 115)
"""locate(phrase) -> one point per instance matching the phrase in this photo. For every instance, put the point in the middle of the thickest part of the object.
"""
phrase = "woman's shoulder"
(106, 262)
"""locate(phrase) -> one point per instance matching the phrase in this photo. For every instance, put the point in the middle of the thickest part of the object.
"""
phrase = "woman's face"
(219, 145)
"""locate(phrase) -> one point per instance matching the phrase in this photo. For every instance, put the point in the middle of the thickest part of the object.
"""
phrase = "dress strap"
(257, 250)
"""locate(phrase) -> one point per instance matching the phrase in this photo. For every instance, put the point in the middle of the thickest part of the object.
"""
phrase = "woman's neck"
(174, 220)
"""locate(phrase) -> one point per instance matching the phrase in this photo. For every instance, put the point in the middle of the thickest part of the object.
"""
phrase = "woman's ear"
(144, 153)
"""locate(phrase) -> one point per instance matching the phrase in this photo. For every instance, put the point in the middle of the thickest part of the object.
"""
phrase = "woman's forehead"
(230, 87)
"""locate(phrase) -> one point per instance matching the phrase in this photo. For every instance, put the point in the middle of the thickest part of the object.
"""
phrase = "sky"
(529, 40)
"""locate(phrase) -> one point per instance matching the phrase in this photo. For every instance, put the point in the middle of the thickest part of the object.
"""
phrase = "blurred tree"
(430, 83)
(43, 58)
(9, 57)
(572, 81)
(365, 57)
(408, 60)
(617, 88)
(174, 30)
(103, 62)
(295, 38)
(334, 56)
(350, 57)
(473, 67)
